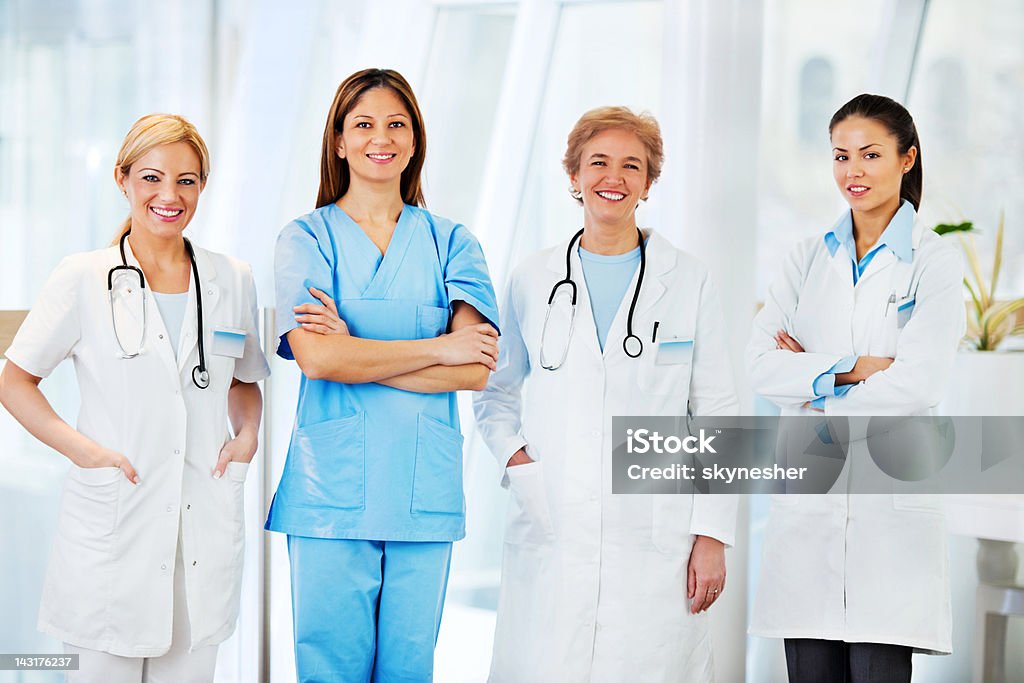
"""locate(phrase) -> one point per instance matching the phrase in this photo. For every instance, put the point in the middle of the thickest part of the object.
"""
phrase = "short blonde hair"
(150, 132)
(595, 121)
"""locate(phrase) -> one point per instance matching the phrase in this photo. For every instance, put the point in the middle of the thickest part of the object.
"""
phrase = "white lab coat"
(109, 582)
(594, 584)
(859, 568)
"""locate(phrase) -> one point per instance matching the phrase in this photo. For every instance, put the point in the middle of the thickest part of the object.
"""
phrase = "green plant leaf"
(997, 258)
(996, 317)
(971, 252)
(978, 310)
(946, 228)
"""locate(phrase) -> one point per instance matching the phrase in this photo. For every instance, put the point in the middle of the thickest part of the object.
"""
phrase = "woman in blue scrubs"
(371, 495)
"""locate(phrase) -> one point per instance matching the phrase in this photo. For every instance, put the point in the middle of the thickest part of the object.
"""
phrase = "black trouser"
(833, 661)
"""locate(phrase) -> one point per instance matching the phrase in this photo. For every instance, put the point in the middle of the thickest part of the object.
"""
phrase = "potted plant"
(985, 380)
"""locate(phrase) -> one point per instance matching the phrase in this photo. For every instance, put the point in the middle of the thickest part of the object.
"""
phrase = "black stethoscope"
(200, 376)
(631, 345)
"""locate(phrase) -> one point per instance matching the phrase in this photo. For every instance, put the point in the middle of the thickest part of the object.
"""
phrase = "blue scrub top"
(367, 461)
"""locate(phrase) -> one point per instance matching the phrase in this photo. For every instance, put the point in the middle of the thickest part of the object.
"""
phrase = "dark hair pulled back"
(895, 117)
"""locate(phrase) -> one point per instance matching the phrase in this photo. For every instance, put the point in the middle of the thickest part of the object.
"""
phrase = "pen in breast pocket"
(890, 302)
(654, 335)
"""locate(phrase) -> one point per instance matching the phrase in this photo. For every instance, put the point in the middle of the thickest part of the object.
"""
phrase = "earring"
(575, 193)
(906, 170)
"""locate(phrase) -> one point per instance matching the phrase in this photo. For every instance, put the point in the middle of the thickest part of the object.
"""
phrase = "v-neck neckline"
(386, 264)
(394, 233)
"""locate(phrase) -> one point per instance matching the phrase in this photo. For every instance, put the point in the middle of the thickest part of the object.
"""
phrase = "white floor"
(463, 653)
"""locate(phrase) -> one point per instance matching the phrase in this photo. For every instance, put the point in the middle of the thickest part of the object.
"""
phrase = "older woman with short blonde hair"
(613, 321)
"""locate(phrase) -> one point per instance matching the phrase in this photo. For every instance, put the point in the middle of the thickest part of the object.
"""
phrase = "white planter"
(985, 383)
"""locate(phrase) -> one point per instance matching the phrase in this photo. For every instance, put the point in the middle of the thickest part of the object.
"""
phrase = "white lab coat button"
(170, 508)
(164, 567)
(160, 336)
(595, 433)
(177, 452)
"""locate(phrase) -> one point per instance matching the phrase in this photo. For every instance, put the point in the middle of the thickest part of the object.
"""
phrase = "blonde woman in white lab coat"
(596, 586)
(864, 320)
(145, 572)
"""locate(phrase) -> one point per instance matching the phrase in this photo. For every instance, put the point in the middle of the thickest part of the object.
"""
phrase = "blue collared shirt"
(897, 238)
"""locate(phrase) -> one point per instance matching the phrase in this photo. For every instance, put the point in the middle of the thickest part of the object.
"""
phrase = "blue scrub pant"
(366, 610)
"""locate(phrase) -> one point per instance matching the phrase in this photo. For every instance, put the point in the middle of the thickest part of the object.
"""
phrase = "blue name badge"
(904, 311)
(674, 352)
(228, 341)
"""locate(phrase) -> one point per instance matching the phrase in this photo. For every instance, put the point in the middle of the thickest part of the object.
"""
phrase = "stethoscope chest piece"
(632, 346)
(201, 378)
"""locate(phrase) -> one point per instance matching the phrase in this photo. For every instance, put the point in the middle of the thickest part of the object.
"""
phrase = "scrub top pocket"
(437, 474)
(330, 459)
(431, 321)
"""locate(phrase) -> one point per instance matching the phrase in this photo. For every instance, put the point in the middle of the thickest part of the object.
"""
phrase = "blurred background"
(744, 90)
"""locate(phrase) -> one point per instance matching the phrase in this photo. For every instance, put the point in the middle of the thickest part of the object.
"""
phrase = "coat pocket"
(89, 507)
(918, 502)
(437, 474)
(670, 523)
(667, 369)
(331, 462)
(529, 518)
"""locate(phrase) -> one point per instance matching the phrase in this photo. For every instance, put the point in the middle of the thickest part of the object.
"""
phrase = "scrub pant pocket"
(366, 610)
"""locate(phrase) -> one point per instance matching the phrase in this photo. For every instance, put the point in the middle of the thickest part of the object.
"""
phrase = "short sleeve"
(252, 366)
(299, 264)
(466, 277)
(53, 327)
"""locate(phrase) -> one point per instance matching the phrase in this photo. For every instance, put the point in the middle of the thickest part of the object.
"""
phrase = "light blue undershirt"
(607, 278)
(172, 311)
(897, 238)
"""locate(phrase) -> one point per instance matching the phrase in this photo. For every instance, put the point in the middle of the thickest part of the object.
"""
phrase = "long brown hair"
(152, 131)
(334, 173)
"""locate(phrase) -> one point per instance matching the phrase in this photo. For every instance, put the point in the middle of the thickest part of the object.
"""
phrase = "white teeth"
(857, 188)
(381, 157)
(167, 213)
(613, 196)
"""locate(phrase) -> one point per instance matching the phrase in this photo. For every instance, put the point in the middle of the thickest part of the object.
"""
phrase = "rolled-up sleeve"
(299, 263)
(466, 277)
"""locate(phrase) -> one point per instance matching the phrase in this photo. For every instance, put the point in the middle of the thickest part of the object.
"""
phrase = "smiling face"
(867, 165)
(163, 188)
(377, 138)
(612, 178)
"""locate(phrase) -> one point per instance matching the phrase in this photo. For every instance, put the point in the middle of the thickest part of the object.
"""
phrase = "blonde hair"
(595, 121)
(150, 132)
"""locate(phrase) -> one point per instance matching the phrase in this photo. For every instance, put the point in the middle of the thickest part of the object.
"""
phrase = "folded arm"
(461, 359)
